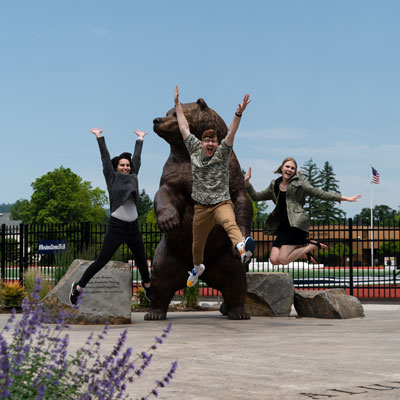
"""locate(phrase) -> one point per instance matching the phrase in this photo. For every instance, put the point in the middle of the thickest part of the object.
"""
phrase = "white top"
(126, 212)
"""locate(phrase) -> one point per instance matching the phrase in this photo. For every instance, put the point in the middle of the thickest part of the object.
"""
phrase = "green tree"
(389, 248)
(145, 204)
(19, 209)
(336, 254)
(382, 215)
(61, 196)
(311, 172)
(329, 210)
(5, 207)
(150, 234)
(259, 214)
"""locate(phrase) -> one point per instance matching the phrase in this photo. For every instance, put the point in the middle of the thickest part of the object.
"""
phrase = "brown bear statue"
(174, 209)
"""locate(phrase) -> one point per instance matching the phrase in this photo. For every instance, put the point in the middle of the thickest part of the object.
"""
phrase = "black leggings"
(118, 232)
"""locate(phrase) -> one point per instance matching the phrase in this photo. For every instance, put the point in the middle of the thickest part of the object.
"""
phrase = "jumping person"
(122, 184)
(210, 190)
(288, 220)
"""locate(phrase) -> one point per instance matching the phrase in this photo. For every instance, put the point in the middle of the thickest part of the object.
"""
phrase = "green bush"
(30, 277)
(191, 296)
(139, 299)
(63, 260)
(11, 294)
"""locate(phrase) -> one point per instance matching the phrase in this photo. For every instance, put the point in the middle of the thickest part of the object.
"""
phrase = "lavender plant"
(36, 364)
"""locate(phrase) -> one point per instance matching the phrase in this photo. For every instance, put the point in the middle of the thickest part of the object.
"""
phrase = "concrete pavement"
(267, 358)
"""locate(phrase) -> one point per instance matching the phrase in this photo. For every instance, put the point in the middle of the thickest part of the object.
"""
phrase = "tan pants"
(205, 218)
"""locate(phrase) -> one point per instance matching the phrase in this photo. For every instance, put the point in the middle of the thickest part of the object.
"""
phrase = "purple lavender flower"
(36, 363)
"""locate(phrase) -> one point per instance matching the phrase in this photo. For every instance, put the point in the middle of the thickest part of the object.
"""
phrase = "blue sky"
(323, 77)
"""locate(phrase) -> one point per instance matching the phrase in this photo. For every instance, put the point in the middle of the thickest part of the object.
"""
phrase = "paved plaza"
(267, 358)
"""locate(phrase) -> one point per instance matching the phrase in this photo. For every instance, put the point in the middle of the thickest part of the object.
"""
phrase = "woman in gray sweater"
(122, 184)
(288, 220)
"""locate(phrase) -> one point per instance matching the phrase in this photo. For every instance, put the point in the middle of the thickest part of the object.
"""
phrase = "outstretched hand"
(352, 199)
(176, 95)
(97, 132)
(140, 134)
(247, 177)
(245, 102)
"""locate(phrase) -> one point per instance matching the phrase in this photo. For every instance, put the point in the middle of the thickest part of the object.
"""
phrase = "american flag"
(375, 175)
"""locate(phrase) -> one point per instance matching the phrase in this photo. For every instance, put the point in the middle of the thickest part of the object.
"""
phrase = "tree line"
(61, 196)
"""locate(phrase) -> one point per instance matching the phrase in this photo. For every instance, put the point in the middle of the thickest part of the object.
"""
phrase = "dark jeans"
(117, 233)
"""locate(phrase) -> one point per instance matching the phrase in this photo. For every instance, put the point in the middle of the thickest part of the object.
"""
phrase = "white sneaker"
(194, 276)
(246, 249)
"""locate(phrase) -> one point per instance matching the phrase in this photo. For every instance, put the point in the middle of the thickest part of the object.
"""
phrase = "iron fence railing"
(362, 260)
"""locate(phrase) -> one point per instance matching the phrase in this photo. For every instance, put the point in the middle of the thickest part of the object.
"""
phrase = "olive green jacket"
(297, 190)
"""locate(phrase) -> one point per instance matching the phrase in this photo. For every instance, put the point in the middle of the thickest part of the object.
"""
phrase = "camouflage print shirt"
(210, 174)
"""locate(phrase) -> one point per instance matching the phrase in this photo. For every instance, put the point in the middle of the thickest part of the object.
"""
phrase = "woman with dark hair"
(288, 220)
(122, 184)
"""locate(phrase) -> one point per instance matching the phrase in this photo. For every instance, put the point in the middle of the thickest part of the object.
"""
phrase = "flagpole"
(372, 227)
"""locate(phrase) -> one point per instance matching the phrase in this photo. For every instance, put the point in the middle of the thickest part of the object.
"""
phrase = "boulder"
(269, 294)
(107, 297)
(331, 304)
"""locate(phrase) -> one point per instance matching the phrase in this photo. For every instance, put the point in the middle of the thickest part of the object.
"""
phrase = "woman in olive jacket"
(288, 220)
(120, 174)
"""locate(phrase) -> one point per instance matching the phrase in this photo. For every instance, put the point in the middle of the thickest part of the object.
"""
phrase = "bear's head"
(200, 118)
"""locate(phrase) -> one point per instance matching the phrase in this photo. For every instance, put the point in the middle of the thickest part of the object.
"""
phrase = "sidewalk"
(267, 358)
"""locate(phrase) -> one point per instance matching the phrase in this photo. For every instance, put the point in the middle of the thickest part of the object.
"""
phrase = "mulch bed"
(178, 307)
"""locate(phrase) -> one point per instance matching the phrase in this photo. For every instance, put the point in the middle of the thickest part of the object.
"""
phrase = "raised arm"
(136, 162)
(233, 127)
(140, 134)
(323, 195)
(182, 121)
(108, 169)
(97, 132)
(247, 177)
(352, 199)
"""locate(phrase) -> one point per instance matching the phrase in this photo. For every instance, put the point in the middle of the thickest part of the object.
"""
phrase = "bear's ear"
(203, 105)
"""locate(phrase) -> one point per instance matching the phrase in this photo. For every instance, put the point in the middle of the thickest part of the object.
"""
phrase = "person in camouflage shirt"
(210, 190)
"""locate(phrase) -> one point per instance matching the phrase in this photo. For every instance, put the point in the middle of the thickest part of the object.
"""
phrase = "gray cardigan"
(120, 186)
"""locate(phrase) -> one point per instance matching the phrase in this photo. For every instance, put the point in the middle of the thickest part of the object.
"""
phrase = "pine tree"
(311, 172)
(145, 204)
(329, 210)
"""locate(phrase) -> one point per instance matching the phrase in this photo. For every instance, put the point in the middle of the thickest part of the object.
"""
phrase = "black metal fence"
(362, 260)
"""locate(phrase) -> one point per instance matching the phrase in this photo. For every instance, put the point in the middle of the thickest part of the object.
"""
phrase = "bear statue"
(174, 210)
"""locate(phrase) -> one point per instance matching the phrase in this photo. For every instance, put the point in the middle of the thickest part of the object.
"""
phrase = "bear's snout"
(157, 121)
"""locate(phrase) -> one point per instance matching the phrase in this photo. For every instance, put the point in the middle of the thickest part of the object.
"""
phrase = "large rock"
(107, 297)
(269, 294)
(331, 304)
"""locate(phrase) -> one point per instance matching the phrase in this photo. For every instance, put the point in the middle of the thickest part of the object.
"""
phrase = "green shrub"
(191, 296)
(63, 260)
(139, 299)
(11, 294)
(30, 277)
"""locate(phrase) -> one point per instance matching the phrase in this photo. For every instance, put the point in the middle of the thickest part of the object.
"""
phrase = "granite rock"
(107, 297)
(331, 304)
(269, 294)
